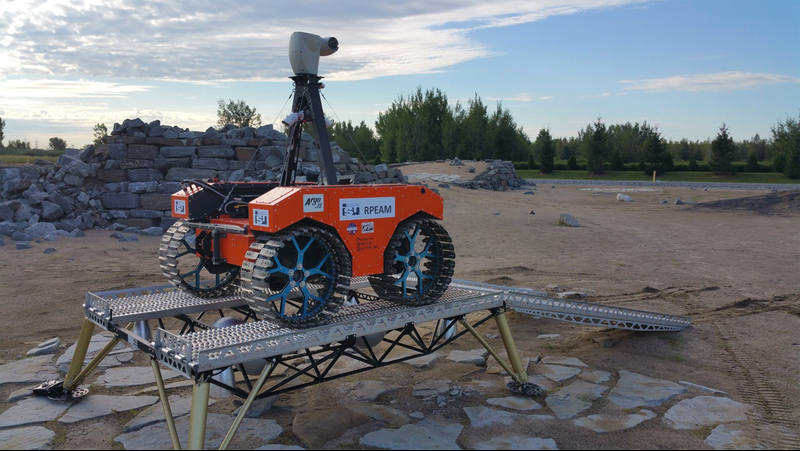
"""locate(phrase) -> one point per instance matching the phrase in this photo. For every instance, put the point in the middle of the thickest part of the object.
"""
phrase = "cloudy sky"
(685, 66)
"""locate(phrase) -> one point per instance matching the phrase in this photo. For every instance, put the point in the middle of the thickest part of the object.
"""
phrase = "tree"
(546, 150)
(100, 132)
(238, 114)
(57, 143)
(655, 153)
(722, 150)
(786, 136)
(2, 126)
(596, 147)
(19, 144)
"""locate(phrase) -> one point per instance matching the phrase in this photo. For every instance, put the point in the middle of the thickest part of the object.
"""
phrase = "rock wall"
(129, 179)
(501, 176)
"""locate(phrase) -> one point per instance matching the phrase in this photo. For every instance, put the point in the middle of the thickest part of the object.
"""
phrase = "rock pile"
(129, 179)
(501, 176)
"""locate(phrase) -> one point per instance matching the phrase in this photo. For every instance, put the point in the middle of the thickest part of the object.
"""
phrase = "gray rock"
(179, 405)
(595, 376)
(180, 174)
(97, 343)
(416, 415)
(142, 187)
(21, 393)
(8, 228)
(609, 423)
(420, 436)
(142, 152)
(95, 406)
(558, 373)
(32, 410)
(515, 402)
(568, 221)
(259, 407)
(569, 361)
(432, 387)
(367, 390)
(425, 361)
(35, 437)
(384, 414)
(574, 398)
(152, 231)
(128, 239)
(702, 388)
(732, 436)
(2, 241)
(221, 151)
(145, 175)
(73, 180)
(636, 390)
(216, 164)
(32, 369)
(21, 236)
(132, 376)
(517, 442)
(142, 213)
(48, 347)
(678, 201)
(623, 198)
(114, 201)
(474, 356)
(20, 245)
(41, 230)
(156, 436)
(548, 336)
(482, 416)
(702, 411)
(51, 211)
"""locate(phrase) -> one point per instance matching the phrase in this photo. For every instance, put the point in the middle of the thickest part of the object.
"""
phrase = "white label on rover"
(366, 208)
(313, 203)
(180, 207)
(261, 218)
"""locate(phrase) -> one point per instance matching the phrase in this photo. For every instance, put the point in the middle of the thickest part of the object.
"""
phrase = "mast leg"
(162, 394)
(199, 415)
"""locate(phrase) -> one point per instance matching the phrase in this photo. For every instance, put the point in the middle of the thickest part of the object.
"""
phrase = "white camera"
(305, 50)
(292, 118)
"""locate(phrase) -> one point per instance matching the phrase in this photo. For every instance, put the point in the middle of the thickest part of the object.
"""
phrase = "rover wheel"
(299, 276)
(186, 262)
(418, 264)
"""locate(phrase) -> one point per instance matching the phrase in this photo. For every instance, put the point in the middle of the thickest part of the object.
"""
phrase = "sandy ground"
(735, 273)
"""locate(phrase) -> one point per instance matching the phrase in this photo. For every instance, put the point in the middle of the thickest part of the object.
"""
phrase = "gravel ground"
(696, 185)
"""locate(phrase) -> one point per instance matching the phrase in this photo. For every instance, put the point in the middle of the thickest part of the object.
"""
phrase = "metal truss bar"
(162, 394)
(246, 407)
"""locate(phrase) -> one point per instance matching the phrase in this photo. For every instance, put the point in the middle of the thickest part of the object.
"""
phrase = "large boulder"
(221, 151)
(42, 230)
(115, 201)
(51, 211)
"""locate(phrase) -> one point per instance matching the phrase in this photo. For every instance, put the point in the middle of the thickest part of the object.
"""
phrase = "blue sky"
(685, 66)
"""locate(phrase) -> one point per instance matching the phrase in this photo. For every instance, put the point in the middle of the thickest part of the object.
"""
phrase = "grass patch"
(702, 177)
(24, 159)
(677, 358)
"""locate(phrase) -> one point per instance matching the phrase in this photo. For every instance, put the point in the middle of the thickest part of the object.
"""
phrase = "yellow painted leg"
(246, 407)
(520, 374)
(486, 345)
(199, 415)
(162, 394)
(80, 354)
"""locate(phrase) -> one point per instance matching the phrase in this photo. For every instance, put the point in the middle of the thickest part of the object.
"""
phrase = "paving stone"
(515, 402)
(101, 405)
(35, 437)
(425, 361)
(132, 376)
(366, 390)
(431, 387)
(179, 405)
(32, 410)
(22, 393)
(702, 388)
(474, 356)
(417, 415)
(609, 423)
(595, 376)
(380, 413)
(183, 383)
(319, 427)
(548, 336)
(48, 347)
(259, 407)
(482, 416)
(574, 398)
(732, 436)
(493, 366)
(31, 369)
(419, 436)
(157, 436)
(95, 345)
(568, 361)
(636, 390)
(517, 442)
(703, 411)
(558, 373)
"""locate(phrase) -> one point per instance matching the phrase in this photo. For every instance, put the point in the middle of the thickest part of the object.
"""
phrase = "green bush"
(521, 165)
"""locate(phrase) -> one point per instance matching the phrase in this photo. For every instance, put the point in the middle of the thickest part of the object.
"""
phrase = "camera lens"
(333, 44)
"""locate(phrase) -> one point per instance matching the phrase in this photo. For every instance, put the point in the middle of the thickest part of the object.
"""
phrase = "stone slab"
(493, 366)
(157, 436)
(695, 413)
(101, 405)
(432, 387)
(558, 373)
(595, 376)
(31, 369)
(366, 390)
(517, 442)
(515, 402)
(419, 436)
(482, 416)
(609, 423)
(574, 398)
(96, 344)
(384, 414)
(48, 347)
(179, 405)
(474, 356)
(425, 361)
(703, 388)
(35, 437)
(132, 376)
(32, 410)
(732, 436)
(568, 361)
(22, 393)
(635, 390)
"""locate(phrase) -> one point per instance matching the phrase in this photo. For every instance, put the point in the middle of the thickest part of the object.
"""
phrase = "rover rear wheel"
(299, 276)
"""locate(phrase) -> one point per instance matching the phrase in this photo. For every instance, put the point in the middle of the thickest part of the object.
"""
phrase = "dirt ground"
(734, 272)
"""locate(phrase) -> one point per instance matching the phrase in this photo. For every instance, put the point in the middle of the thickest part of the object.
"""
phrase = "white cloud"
(209, 40)
(523, 97)
(546, 98)
(722, 81)
(32, 89)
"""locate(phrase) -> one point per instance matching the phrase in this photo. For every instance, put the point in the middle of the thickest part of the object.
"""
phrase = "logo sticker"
(313, 203)
(180, 207)
(261, 218)
(351, 228)
(367, 208)
(367, 227)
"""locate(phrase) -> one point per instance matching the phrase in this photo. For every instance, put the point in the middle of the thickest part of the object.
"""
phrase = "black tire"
(190, 272)
(418, 264)
(299, 276)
